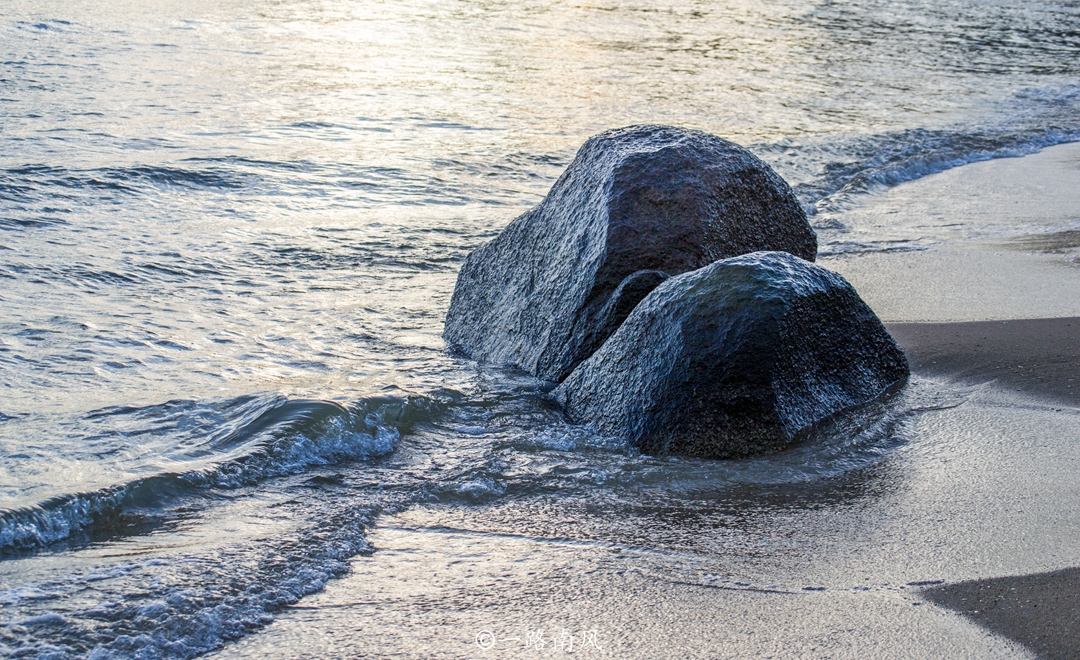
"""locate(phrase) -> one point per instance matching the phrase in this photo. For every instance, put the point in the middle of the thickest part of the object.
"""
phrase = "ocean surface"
(229, 232)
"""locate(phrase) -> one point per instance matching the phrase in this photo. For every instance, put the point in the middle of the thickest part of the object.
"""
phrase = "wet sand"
(951, 548)
(974, 284)
(1036, 356)
(963, 541)
(1040, 357)
(1033, 271)
(1040, 611)
(994, 240)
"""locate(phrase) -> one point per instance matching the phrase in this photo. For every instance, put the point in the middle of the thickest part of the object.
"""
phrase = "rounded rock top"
(637, 205)
(735, 359)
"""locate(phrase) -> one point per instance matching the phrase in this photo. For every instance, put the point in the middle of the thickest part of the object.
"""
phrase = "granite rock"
(735, 359)
(636, 205)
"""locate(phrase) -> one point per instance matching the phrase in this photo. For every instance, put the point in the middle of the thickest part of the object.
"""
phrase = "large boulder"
(735, 359)
(636, 205)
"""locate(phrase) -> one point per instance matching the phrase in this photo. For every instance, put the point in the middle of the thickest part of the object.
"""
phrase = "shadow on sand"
(1040, 611)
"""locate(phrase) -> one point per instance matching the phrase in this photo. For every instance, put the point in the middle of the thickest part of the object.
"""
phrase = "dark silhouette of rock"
(735, 359)
(635, 205)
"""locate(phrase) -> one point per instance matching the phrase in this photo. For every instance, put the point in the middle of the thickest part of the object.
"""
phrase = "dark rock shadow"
(1041, 611)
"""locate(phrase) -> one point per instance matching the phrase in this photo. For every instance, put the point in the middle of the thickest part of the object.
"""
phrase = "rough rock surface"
(735, 359)
(636, 205)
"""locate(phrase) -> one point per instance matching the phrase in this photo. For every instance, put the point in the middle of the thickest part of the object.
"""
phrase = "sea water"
(229, 232)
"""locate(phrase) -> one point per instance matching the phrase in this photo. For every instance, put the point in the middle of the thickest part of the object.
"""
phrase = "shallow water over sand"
(834, 567)
(229, 233)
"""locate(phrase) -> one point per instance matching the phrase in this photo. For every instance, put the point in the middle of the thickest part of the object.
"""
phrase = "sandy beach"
(962, 542)
(1035, 356)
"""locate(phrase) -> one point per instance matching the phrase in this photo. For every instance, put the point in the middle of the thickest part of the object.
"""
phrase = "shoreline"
(989, 241)
(1036, 357)
(960, 542)
(1005, 281)
(895, 573)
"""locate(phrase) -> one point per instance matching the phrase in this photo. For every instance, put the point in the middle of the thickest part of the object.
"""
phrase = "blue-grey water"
(229, 232)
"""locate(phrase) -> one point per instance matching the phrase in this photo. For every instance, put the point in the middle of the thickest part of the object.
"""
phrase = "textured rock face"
(735, 359)
(636, 205)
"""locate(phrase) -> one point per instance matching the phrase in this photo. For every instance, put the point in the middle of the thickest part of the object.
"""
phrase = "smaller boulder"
(735, 359)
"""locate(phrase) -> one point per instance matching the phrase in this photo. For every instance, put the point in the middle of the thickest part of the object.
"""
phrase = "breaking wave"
(285, 437)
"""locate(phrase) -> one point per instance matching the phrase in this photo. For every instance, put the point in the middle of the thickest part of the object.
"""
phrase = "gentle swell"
(827, 172)
(288, 437)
